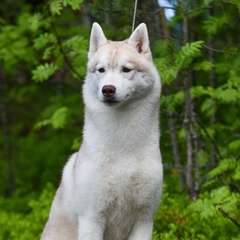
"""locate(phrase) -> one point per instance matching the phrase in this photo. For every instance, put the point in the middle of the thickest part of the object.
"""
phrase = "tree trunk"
(171, 116)
(212, 84)
(189, 121)
(150, 17)
(7, 142)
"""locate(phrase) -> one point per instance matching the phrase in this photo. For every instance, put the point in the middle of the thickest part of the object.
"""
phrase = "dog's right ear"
(97, 38)
(140, 38)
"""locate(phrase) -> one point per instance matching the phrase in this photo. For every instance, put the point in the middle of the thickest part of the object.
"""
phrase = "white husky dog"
(111, 188)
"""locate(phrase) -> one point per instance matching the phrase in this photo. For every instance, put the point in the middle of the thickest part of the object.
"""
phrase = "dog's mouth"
(111, 102)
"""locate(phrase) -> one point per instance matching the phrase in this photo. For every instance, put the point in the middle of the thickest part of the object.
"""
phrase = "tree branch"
(68, 63)
(230, 218)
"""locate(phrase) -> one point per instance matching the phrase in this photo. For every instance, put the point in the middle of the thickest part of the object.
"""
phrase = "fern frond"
(224, 166)
(214, 24)
(59, 118)
(43, 40)
(172, 101)
(208, 107)
(35, 21)
(42, 124)
(204, 207)
(76, 143)
(74, 4)
(229, 95)
(168, 74)
(204, 65)
(234, 145)
(236, 174)
(187, 53)
(56, 7)
(43, 72)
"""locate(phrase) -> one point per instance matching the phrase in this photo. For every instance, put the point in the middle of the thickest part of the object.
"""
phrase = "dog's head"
(120, 72)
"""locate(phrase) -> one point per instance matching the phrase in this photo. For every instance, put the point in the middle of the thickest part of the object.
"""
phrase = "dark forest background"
(43, 54)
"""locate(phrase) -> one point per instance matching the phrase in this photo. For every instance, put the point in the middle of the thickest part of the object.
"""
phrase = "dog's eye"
(101, 70)
(126, 70)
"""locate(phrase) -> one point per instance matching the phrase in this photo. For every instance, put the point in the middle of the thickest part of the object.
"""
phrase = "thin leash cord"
(134, 15)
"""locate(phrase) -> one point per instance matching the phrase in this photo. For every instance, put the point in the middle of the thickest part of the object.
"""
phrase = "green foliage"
(224, 166)
(15, 46)
(44, 39)
(220, 201)
(173, 101)
(214, 24)
(56, 6)
(37, 45)
(44, 71)
(187, 53)
(29, 226)
(213, 70)
(58, 119)
(204, 65)
(171, 65)
(202, 220)
(34, 21)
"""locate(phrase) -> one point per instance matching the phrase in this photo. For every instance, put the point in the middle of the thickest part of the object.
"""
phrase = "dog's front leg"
(90, 230)
(141, 231)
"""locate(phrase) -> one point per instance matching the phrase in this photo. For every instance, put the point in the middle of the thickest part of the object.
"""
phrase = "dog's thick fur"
(111, 188)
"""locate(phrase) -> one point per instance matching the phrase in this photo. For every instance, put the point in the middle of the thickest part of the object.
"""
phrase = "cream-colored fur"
(111, 188)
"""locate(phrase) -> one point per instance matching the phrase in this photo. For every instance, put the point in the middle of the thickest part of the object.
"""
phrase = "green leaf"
(234, 145)
(42, 124)
(48, 52)
(224, 165)
(224, 200)
(173, 100)
(74, 4)
(197, 91)
(43, 72)
(43, 40)
(214, 24)
(59, 118)
(203, 157)
(187, 53)
(204, 207)
(76, 144)
(56, 7)
(168, 74)
(204, 65)
(236, 174)
(229, 95)
(35, 21)
(207, 2)
(209, 107)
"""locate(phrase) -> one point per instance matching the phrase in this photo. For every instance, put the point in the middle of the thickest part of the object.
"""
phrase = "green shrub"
(180, 218)
(27, 226)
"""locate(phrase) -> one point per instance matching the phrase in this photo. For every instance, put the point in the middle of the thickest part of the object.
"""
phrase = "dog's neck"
(124, 127)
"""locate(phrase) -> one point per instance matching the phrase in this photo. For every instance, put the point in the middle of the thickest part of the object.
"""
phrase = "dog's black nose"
(108, 90)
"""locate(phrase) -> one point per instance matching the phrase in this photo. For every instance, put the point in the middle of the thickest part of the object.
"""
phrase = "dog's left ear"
(140, 38)
(97, 38)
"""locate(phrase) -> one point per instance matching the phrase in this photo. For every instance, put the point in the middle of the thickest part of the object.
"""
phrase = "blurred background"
(43, 55)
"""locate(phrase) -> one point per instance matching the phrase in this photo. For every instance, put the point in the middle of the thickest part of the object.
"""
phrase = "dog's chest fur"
(121, 193)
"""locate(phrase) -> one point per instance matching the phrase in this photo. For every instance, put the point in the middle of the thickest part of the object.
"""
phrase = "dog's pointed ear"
(97, 38)
(140, 38)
